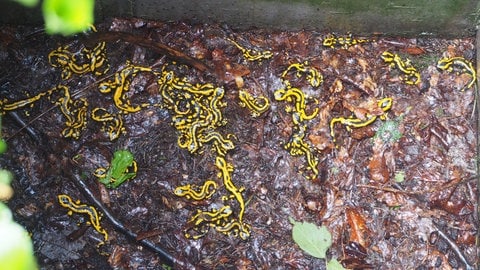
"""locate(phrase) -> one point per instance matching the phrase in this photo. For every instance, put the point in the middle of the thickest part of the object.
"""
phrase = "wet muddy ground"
(379, 149)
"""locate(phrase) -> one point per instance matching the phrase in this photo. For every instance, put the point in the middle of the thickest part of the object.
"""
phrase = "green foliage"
(399, 176)
(5, 177)
(28, 3)
(67, 17)
(16, 249)
(3, 146)
(333, 264)
(3, 143)
(388, 132)
(6, 191)
(312, 239)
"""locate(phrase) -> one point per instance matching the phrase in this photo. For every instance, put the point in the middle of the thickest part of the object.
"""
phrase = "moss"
(388, 132)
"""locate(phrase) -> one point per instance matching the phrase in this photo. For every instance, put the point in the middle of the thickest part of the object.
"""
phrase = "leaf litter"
(428, 219)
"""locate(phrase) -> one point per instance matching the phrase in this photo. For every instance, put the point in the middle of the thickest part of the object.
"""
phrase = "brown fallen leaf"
(466, 238)
(445, 204)
(369, 85)
(358, 227)
(392, 199)
(320, 141)
(363, 63)
(119, 258)
(364, 109)
(355, 256)
(435, 258)
(414, 50)
(461, 81)
(377, 166)
(362, 133)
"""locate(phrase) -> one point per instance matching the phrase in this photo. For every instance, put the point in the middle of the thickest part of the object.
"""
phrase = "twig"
(148, 43)
(23, 125)
(455, 248)
(168, 259)
(387, 189)
(432, 190)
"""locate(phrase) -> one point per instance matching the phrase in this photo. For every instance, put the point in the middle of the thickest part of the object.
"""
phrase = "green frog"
(123, 167)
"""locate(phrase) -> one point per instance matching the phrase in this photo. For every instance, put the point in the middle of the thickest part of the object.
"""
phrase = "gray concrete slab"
(392, 17)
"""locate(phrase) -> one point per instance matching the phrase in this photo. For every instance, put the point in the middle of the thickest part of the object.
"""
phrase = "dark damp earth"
(373, 137)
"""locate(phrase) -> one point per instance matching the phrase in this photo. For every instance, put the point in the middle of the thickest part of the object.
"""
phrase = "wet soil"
(399, 192)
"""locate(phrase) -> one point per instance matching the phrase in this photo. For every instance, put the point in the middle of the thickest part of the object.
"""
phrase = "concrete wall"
(392, 17)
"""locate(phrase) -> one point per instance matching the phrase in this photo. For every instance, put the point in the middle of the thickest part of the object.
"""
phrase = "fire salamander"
(294, 94)
(297, 146)
(411, 74)
(66, 201)
(241, 229)
(385, 104)
(75, 111)
(312, 75)
(195, 192)
(121, 84)
(112, 124)
(200, 223)
(88, 60)
(196, 112)
(252, 55)
(333, 41)
(465, 66)
(256, 105)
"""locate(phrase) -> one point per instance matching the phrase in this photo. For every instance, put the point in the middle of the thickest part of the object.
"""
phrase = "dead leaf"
(239, 81)
(364, 109)
(452, 207)
(363, 63)
(466, 238)
(355, 256)
(362, 133)
(369, 85)
(119, 258)
(358, 227)
(378, 166)
(235, 71)
(436, 258)
(392, 199)
(414, 50)
(461, 81)
(320, 141)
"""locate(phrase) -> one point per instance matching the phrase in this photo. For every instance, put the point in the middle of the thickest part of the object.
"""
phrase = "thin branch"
(168, 259)
(455, 248)
(150, 44)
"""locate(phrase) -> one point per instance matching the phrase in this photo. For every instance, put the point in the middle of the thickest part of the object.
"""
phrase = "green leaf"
(28, 3)
(5, 177)
(16, 250)
(67, 17)
(399, 176)
(312, 239)
(333, 264)
(3, 146)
